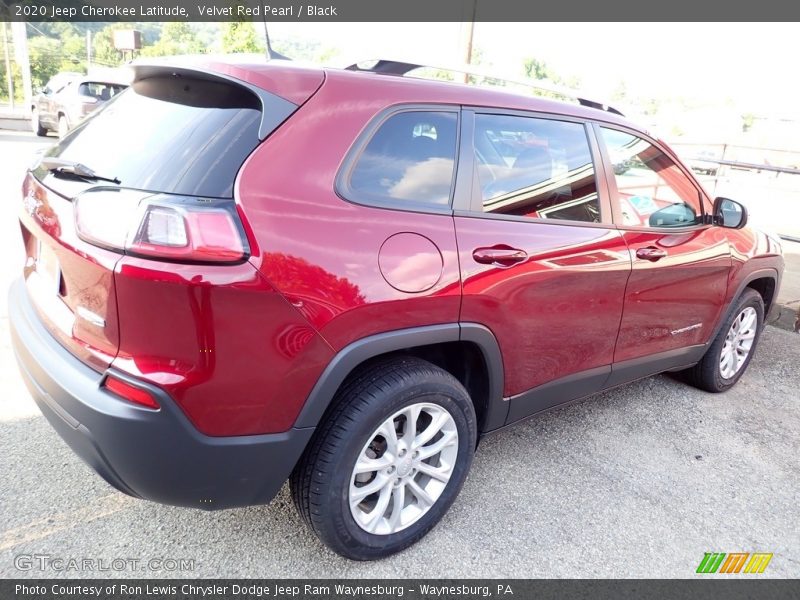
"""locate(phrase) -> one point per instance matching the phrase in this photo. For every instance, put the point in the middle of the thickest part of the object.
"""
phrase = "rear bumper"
(156, 455)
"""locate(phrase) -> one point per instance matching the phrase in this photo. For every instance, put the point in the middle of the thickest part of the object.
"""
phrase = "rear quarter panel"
(220, 340)
(321, 251)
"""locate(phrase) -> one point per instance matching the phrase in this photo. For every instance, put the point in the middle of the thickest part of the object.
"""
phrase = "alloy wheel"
(403, 468)
(738, 342)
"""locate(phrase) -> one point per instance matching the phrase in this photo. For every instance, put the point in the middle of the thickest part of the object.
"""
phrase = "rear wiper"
(70, 167)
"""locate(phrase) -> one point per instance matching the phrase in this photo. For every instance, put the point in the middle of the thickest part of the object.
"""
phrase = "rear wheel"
(730, 353)
(36, 124)
(389, 460)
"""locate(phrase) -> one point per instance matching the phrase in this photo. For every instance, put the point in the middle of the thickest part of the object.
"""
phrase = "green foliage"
(103, 51)
(58, 47)
(208, 35)
(537, 69)
(17, 75)
(241, 37)
(176, 38)
(46, 59)
(306, 50)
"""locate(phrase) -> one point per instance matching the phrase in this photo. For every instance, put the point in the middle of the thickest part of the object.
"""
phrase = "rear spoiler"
(274, 109)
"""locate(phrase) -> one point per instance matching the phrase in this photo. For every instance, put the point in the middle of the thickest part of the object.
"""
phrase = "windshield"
(165, 134)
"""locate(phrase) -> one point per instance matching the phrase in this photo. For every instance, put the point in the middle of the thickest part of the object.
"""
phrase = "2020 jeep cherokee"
(242, 273)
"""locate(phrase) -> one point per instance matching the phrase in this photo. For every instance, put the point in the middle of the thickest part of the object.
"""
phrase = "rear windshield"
(165, 134)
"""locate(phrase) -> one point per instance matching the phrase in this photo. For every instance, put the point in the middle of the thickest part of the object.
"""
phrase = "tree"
(747, 123)
(301, 49)
(46, 60)
(176, 38)
(538, 69)
(620, 92)
(104, 52)
(241, 37)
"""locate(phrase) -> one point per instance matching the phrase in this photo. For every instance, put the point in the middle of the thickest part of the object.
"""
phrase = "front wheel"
(730, 353)
(63, 126)
(388, 461)
(36, 124)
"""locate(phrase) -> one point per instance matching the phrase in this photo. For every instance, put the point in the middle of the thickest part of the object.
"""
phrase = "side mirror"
(679, 214)
(729, 213)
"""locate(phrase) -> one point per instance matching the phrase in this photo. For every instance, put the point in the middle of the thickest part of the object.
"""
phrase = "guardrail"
(746, 166)
(771, 192)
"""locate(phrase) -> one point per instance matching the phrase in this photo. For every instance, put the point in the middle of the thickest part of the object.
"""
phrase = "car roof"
(257, 70)
(115, 78)
(450, 92)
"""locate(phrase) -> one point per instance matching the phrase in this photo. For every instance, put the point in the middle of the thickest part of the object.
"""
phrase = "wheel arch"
(764, 281)
(459, 348)
(766, 286)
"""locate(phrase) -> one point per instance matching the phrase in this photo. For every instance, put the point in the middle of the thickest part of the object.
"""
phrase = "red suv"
(239, 274)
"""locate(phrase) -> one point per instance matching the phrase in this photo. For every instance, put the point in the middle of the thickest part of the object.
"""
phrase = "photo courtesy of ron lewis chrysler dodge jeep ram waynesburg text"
(243, 273)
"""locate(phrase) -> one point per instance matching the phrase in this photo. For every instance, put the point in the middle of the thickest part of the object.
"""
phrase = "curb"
(785, 316)
(14, 123)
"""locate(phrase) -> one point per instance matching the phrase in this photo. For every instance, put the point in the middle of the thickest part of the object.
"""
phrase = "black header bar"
(401, 11)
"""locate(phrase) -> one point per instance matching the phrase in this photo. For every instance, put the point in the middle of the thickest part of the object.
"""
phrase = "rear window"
(100, 91)
(165, 134)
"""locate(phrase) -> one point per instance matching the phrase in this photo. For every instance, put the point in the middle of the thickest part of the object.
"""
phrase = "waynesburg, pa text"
(273, 590)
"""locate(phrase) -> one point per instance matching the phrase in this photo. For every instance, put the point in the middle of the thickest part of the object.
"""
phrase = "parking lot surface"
(638, 482)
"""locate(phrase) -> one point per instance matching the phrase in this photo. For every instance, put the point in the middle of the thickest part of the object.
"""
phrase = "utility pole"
(469, 37)
(88, 51)
(19, 31)
(9, 75)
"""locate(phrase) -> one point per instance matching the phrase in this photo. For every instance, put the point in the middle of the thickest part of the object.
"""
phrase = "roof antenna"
(271, 54)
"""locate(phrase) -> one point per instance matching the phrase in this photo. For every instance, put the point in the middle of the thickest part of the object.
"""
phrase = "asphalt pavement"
(638, 482)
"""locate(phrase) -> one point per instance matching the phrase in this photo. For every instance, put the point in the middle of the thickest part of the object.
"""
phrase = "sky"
(752, 65)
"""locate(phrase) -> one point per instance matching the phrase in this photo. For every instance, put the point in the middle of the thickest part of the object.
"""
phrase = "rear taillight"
(129, 392)
(161, 226)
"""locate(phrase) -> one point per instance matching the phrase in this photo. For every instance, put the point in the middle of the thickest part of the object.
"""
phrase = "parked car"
(68, 98)
(239, 274)
(706, 162)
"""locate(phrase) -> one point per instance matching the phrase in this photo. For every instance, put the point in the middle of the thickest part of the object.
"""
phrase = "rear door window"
(165, 134)
(535, 168)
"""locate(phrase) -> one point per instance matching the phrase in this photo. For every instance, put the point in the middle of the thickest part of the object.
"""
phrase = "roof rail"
(401, 68)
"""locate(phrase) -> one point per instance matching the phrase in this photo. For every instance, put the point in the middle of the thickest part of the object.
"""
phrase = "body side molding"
(555, 393)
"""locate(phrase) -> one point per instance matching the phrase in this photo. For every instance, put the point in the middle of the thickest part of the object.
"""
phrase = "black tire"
(63, 126)
(320, 483)
(36, 124)
(706, 375)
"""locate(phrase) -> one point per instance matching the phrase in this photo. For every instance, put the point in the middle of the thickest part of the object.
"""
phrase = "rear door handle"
(500, 255)
(651, 253)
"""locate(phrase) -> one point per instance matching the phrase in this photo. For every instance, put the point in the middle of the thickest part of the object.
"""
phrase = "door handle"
(651, 253)
(500, 255)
